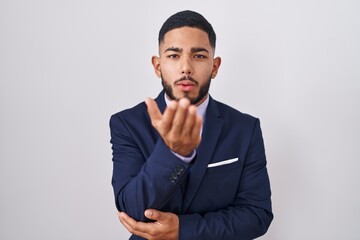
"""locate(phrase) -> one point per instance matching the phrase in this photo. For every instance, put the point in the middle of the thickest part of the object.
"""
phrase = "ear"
(156, 64)
(216, 65)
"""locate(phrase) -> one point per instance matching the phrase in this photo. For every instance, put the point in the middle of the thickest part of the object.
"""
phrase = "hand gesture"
(165, 227)
(179, 126)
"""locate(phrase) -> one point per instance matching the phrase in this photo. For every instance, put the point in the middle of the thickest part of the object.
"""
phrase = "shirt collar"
(201, 109)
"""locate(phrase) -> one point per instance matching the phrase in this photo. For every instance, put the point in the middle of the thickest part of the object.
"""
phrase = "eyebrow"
(199, 49)
(173, 49)
(193, 50)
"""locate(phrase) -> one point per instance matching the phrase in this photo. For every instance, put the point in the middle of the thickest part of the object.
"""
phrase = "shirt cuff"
(186, 159)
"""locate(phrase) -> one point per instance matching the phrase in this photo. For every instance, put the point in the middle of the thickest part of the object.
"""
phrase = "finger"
(138, 228)
(154, 112)
(124, 222)
(122, 218)
(180, 115)
(127, 221)
(154, 214)
(189, 121)
(167, 118)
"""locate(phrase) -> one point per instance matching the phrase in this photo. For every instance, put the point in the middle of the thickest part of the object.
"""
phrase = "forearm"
(249, 215)
(154, 185)
(234, 223)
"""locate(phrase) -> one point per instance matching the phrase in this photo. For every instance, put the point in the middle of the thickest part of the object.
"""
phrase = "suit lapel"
(160, 100)
(211, 132)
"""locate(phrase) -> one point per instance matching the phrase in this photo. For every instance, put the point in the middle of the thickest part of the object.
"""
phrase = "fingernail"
(192, 109)
(148, 213)
(183, 102)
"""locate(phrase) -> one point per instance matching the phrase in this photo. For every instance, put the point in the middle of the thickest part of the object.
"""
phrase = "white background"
(66, 66)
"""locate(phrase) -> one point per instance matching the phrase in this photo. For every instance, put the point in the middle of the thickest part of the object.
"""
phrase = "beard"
(203, 90)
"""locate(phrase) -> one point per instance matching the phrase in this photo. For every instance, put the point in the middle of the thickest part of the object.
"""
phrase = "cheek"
(204, 71)
(169, 72)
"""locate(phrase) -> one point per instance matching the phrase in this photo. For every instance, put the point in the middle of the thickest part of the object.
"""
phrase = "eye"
(173, 56)
(200, 56)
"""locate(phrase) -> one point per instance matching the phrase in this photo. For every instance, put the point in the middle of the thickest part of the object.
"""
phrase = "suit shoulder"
(229, 112)
(133, 112)
(134, 116)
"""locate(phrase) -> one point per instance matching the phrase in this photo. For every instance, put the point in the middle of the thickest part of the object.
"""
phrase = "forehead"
(186, 37)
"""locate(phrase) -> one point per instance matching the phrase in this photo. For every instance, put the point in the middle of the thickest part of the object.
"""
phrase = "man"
(187, 166)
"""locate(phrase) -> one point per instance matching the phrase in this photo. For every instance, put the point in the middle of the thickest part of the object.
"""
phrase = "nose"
(186, 66)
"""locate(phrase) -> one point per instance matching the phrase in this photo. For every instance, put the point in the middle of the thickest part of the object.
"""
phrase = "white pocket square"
(225, 162)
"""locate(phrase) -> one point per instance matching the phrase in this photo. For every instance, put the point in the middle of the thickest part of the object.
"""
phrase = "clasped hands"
(179, 127)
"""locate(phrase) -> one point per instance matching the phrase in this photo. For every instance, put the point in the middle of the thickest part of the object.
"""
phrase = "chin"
(187, 95)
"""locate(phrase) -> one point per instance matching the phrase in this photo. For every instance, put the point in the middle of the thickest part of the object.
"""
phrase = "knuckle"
(152, 232)
(154, 123)
(135, 227)
(171, 137)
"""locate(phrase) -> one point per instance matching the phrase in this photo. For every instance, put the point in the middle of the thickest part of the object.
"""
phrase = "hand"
(179, 126)
(166, 226)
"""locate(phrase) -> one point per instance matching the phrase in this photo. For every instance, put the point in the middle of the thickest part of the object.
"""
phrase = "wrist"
(186, 159)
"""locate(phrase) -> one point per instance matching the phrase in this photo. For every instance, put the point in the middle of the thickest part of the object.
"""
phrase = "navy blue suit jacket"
(216, 201)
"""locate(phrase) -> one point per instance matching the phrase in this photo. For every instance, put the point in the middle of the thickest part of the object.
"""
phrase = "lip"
(185, 85)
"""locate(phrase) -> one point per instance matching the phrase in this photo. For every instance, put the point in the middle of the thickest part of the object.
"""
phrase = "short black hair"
(188, 18)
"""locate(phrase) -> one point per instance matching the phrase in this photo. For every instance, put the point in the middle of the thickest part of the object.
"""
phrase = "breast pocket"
(219, 186)
(223, 166)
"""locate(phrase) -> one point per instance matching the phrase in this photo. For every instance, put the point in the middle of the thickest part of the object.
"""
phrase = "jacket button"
(173, 177)
(179, 169)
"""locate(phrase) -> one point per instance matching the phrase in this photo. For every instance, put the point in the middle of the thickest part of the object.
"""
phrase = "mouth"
(185, 85)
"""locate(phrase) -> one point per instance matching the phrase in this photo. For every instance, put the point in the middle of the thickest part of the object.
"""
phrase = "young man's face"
(186, 64)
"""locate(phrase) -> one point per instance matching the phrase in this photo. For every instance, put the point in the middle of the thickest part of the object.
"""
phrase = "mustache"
(188, 78)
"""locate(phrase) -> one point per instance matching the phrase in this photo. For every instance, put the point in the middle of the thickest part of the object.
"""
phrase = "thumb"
(153, 110)
(154, 214)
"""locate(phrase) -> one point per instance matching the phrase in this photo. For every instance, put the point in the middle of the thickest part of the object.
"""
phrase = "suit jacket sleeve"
(250, 214)
(142, 178)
